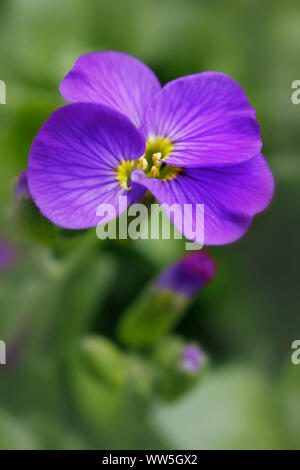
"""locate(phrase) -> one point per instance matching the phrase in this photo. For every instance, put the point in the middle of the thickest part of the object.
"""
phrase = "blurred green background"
(57, 292)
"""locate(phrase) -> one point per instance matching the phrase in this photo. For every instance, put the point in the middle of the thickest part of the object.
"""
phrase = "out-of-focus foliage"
(59, 292)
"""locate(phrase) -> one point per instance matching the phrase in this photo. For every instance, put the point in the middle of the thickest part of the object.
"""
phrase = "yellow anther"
(142, 164)
(155, 157)
(154, 172)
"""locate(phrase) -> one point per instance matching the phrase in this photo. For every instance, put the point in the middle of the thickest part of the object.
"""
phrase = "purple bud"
(21, 188)
(7, 254)
(192, 358)
(188, 275)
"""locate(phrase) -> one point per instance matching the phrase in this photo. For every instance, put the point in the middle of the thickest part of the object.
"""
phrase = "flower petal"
(231, 195)
(208, 118)
(73, 160)
(117, 80)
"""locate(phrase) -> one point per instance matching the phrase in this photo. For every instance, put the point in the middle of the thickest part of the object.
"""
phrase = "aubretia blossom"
(193, 141)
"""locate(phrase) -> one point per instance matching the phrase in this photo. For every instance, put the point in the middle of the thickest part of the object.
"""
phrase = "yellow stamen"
(142, 164)
(155, 157)
(152, 162)
(156, 146)
(154, 172)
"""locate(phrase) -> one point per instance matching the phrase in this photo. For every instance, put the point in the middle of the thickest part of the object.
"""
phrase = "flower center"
(157, 148)
(123, 172)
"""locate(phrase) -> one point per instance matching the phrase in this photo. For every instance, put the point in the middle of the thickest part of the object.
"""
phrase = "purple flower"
(188, 275)
(192, 358)
(194, 141)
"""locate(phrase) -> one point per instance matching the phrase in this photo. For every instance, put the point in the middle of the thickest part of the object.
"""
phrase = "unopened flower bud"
(188, 275)
(21, 187)
(182, 365)
(162, 304)
(7, 254)
(192, 358)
